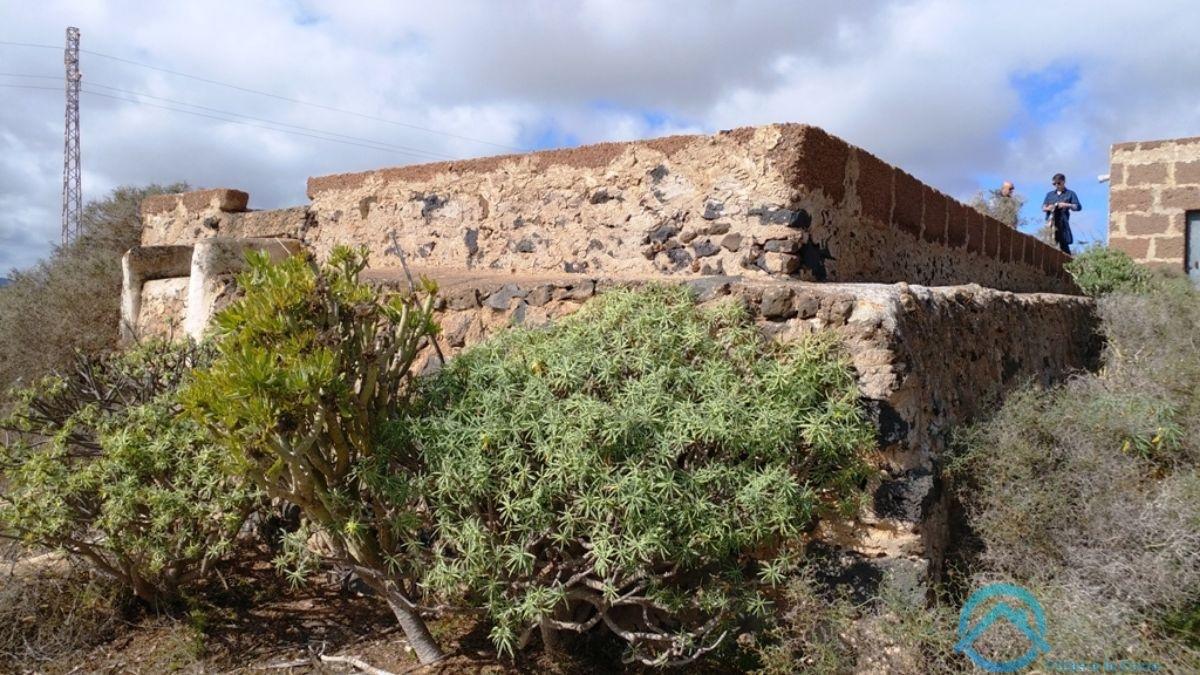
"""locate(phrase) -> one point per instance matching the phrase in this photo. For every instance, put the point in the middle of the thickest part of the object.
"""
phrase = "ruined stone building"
(942, 309)
(1154, 203)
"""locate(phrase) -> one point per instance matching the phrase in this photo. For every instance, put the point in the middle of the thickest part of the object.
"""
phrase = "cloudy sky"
(961, 94)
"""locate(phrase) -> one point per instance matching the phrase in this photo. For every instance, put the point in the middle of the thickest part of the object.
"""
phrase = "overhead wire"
(272, 95)
(401, 148)
(371, 144)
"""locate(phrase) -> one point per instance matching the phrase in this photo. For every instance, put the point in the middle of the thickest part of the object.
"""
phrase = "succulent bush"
(311, 362)
(645, 466)
(1100, 270)
(97, 463)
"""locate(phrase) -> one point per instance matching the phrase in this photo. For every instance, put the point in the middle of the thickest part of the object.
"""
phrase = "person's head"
(1006, 188)
(1059, 181)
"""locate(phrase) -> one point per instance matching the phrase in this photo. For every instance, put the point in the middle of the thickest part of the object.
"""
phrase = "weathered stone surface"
(502, 298)
(1182, 198)
(705, 248)
(189, 217)
(777, 303)
(1169, 248)
(874, 188)
(780, 263)
(1137, 224)
(1131, 199)
(908, 213)
(732, 242)
(222, 199)
(1142, 174)
(1187, 173)
(162, 307)
(628, 208)
(1138, 249)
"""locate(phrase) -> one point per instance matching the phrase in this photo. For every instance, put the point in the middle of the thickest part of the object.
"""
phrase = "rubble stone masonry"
(788, 201)
(1153, 184)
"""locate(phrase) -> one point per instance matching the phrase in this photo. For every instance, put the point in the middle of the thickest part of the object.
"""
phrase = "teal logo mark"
(1002, 602)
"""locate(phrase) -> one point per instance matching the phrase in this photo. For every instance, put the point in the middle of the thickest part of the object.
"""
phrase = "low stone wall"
(184, 219)
(927, 359)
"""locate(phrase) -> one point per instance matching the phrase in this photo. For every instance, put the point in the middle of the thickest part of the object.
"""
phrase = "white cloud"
(926, 84)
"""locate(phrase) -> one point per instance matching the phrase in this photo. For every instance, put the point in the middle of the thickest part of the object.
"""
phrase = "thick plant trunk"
(551, 640)
(414, 627)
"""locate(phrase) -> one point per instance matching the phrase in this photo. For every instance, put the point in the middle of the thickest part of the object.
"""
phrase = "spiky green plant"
(1100, 270)
(310, 363)
(643, 465)
(97, 463)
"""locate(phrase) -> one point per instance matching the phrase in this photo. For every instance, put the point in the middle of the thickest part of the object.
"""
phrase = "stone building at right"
(1154, 203)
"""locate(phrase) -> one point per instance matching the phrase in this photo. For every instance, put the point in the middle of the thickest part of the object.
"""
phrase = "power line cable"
(250, 124)
(29, 86)
(214, 117)
(29, 44)
(271, 95)
(403, 148)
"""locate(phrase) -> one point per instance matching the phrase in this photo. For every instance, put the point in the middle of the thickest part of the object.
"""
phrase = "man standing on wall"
(1058, 205)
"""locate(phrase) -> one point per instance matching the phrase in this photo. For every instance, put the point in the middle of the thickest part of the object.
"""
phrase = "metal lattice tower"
(72, 195)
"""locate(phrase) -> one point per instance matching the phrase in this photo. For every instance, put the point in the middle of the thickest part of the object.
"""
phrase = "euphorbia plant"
(311, 363)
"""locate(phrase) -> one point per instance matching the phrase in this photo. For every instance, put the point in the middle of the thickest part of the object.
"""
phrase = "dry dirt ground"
(252, 621)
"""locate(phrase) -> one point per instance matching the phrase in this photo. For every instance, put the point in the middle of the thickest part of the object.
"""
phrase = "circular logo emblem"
(1002, 602)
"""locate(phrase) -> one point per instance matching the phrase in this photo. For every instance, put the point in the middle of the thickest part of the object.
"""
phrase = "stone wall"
(184, 219)
(783, 200)
(927, 359)
(1153, 184)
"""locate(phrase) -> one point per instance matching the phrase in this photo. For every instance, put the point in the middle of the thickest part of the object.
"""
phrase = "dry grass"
(49, 616)
(1089, 494)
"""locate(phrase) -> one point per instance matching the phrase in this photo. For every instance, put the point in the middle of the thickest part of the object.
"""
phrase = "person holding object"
(1058, 205)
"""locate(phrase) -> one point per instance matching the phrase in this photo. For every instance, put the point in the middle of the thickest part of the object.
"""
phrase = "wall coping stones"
(221, 199)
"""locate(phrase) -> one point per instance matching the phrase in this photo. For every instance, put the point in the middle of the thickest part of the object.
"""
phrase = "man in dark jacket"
(1058, 205)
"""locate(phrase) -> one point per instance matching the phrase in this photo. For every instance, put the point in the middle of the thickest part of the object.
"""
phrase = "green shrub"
(97, 464)
(1100, 270)
(70, 302)
(643, 465)
(311, 362)
(808, 632)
